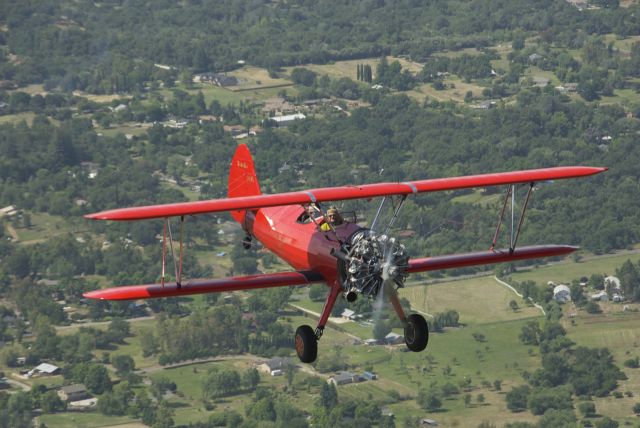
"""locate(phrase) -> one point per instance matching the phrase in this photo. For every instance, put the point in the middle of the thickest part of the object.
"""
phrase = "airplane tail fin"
(242, 179)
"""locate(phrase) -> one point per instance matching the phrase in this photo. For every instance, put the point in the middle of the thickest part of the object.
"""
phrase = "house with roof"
(275, 366)
(601, 296)
(344, 378)
(75, 392)
(562, 293)
(287, 119)
(348, 314)
(44, 369)
(394, 338)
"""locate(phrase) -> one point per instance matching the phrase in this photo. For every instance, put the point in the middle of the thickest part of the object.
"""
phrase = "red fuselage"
(302, 245)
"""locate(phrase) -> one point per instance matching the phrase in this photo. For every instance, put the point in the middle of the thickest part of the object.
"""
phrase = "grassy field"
(17, 118)
(45, 226)
(456, 94)
(87, 420)
(250, 77)
(569, 270)
(478, 300)
(340, 69)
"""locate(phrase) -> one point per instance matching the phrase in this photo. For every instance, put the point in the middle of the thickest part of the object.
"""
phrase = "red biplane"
(351, 259)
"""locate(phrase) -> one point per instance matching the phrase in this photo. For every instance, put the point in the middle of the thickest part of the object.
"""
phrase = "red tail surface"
(242, 179)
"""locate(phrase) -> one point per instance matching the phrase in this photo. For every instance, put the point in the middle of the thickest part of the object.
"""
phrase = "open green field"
(340, 69)
(251, 77)
(478, 300)
(83, 419)
(619, 333)
(188, 403)
(135, 129)
(569, 270)
(45, 226)
(421, 92)
(17, 118)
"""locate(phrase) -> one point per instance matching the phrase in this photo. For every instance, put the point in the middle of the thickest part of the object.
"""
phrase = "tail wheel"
(416, 333)
(306, 344)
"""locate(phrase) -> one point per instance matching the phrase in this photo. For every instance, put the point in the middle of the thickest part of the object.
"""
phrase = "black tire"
(306, 344)
(416, 333)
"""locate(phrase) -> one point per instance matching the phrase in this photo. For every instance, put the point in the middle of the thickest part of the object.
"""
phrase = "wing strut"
(177, 264)
(515, 228)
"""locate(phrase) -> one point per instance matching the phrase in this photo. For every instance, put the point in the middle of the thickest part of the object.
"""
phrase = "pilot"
(333, 219)
(309, 214)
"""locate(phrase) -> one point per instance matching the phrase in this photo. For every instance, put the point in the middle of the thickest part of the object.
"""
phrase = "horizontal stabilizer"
(487, 257)
(364, 191)
(199, 286)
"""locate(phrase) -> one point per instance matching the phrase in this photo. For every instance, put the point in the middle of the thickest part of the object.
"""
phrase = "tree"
(513, 305)
(636, 408)
(123, 364)
(317, 292)
(587, 408)
(557, 419)
(97, 379)
(497, 385)
(251, 378)
(541, 400)
(606, 422)
(517, 398)
(328, 396)
(164, 416)
(51, 403)
(429, 400)
(467, 400)
(592, 308)
(530, 333)
(381, 329)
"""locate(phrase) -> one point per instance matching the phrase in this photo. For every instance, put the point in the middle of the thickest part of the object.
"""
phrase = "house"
(8, 211)
(86, 404)
(535, 57)
(371, 342)
(275, 366)
(394, 338)
(428, 422)
(44, 369)
(344, 378)
(215, 79)
(601, 296)
(348, 314)
(369, 376)
(485, 105)
(287, 119)
(75, 392)
(561, 293)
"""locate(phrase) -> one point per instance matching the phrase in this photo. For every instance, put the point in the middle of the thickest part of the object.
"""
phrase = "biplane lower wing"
(199, 286)
(488, 257)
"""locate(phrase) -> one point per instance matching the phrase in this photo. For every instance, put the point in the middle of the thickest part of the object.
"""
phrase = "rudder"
(242, 179)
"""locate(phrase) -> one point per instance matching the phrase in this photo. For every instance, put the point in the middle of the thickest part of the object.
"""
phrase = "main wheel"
(416, 333)
(306, 344)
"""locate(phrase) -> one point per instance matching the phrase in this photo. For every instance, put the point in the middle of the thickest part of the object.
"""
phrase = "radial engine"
(367, 261)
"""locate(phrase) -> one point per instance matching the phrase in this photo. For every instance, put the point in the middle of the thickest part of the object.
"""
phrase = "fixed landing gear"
(246, 242)
(416, 332)
(306, 344)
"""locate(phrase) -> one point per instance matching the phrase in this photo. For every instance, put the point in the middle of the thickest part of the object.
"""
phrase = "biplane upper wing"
(345, 192)
(199, 286)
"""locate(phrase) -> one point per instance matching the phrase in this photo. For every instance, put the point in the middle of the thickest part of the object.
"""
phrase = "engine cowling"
(368, 260)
